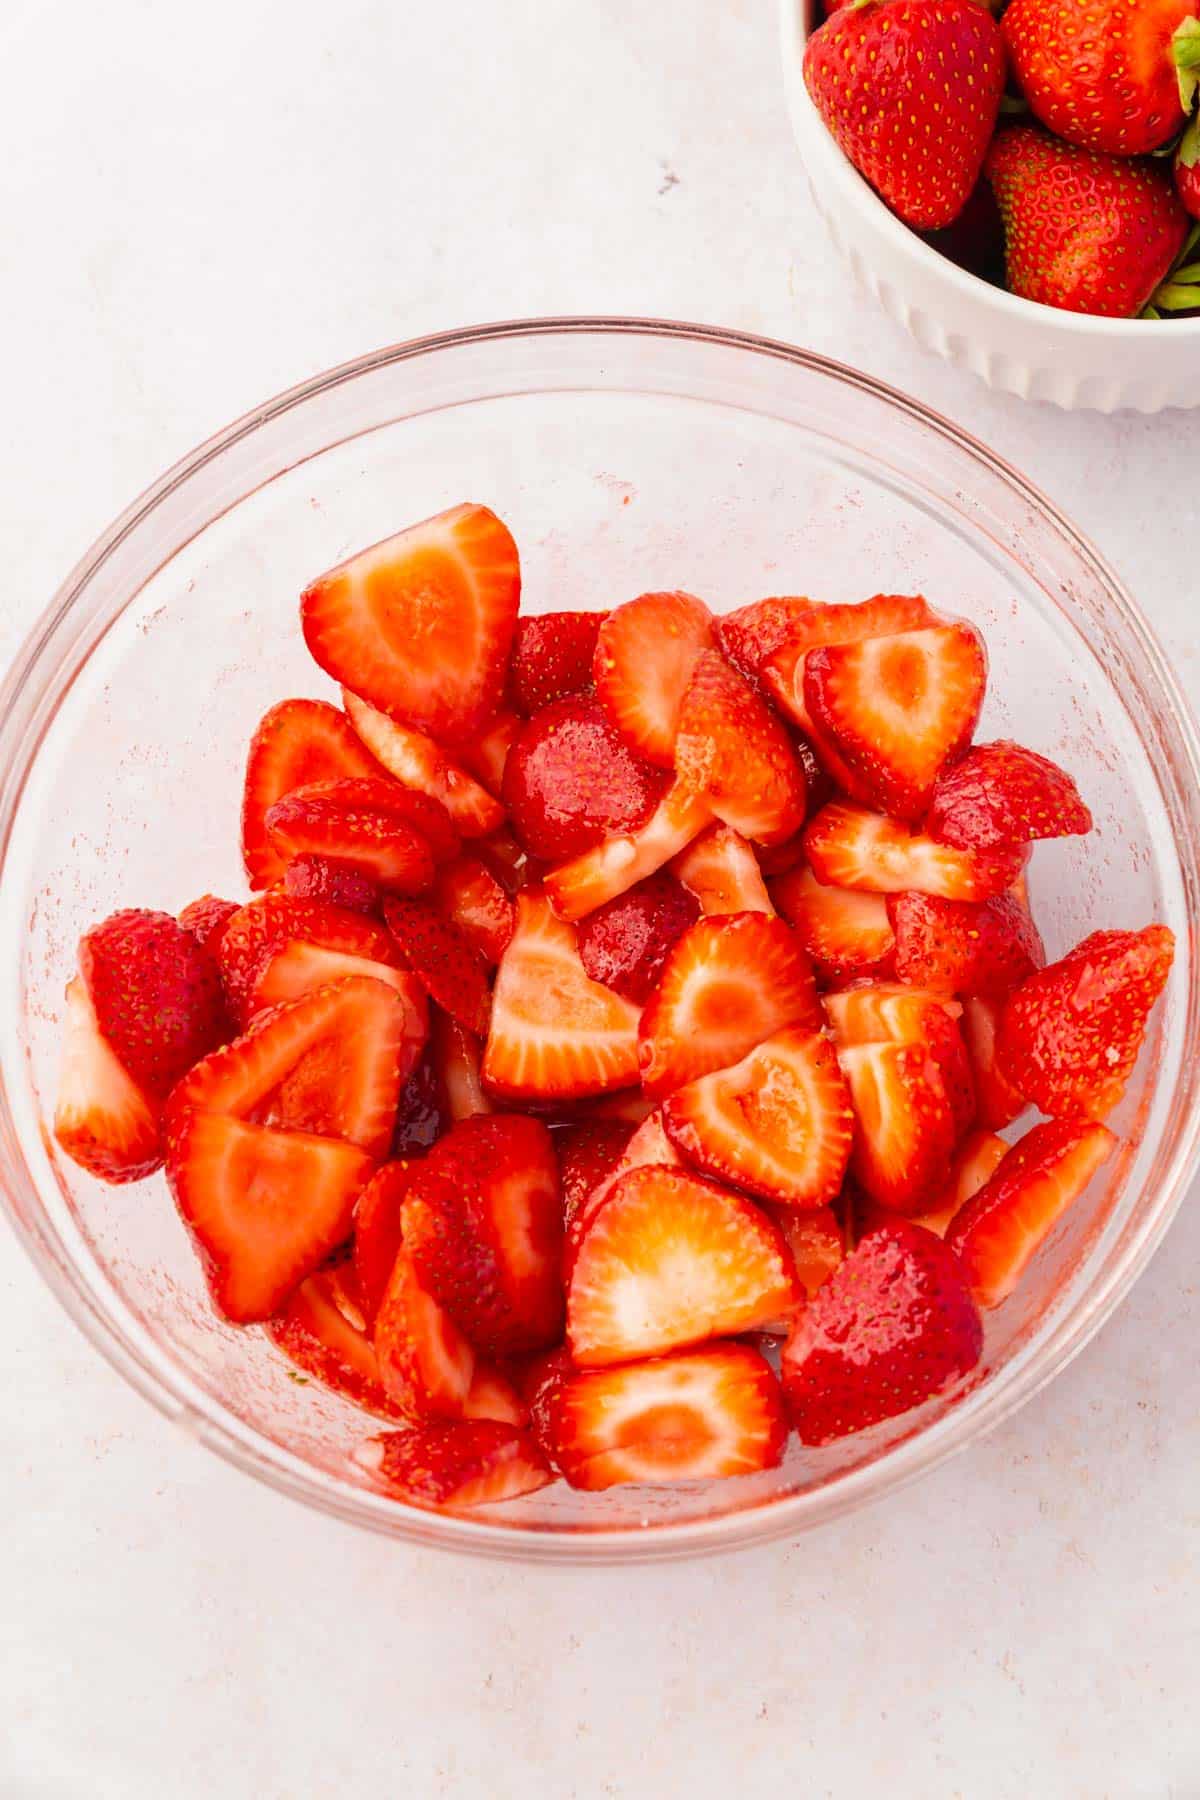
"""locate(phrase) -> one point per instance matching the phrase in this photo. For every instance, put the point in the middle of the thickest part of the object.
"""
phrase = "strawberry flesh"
(377, 1234)
(645, 653)
(425, 1363)
(852, 848)
(453, 1468)
(418, 763)
(846, 933)
(320, 1330)
(731, 750)
(297, 743)
(392, 834)
(721, 870)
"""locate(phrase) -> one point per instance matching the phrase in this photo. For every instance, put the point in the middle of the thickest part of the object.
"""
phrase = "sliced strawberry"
(421, 624)
(1071, 1033)
(625, 942)
(670, 1260)
(391, 834)
(155, 993)
(443, 958)
(264, 1207)
(331, 884)
(649, 1147)
(377, 1233)
(419, 763)
(423, 1110)
(453, 1468)
(998, 1231)
(723, 873)
(102, 1119)
(458, 1059)
(552, 657)
(816, 1241)
(997, 1102)
(780, 859)
(892, 1328)
(844, 932)
(964, 946)
(298, 968)
(257, 931)
(644, 658)
(494, 1397)
(851, 848)
(297, 743)
(555, 1034)
(425, 1363)
(812, 625)
(777, 1124)
(699, 1415)
(895, 710)
(578, 887)
(588, 1155)
(320, 1329)
(486, 756)
(730, 982)
(732, 751)
(570, 781)
(752, 634)
(975, 1162)
(472, 897)
(1003, 794)
(890, 1013)
(907, 1127)
(206, 920)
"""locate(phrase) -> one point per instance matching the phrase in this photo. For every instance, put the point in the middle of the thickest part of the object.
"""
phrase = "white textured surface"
(200, 208)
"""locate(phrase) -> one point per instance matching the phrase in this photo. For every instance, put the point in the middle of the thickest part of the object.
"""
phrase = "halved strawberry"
(892, 1328)
(391, 834)
(625, 942)
(155, 993)
(644, 658)
(777, 1124)
(452, 1468)
(378, 1234)
(472, 897)
(587, 1155)
(998, 1231)
(670, 1260)
(907, 1127)
(1070, 1034)
(811, 625)
(552, 657)
(649, 1147)
(264, 1207)
(418, 762)
(273, 921)
(844, 932)
(732, 751)
(578, 887)
(425, 1363)
(730, 981)
(570, 781)
(750, 635)
(1003, 794)
(723, 873)
(297, 743)
(102, 1119)
(975, 1161)
(331, 883)
(321, 1330)
(997, 1102)
(895, 710)
(297, 968)
(891, 1013)
(207, 918)
(555, 1034)
(486, 756)
(964, 946)
(421, 624)
(699, 1415)
(851, 848)
(458, 1058)
(443, 958)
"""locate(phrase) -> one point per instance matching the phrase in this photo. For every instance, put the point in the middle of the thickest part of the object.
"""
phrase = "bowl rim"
(170, 1391)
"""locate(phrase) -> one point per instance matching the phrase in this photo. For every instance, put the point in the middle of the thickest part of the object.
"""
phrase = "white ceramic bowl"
(1015, 345)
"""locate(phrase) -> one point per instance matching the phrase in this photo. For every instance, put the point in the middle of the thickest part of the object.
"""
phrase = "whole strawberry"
(1084, 232)
(1113, 75)
(911, 90)
(1187, 168)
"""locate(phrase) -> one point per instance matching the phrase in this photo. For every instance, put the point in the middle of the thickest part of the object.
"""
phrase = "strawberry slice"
(419, 763)
(998, 1231)
(587, 1155)
(964, 946)
(890, 1013)
(458, 1060)
(421, 624)
(975, 1161)
(297, 743)
(102, 1119)
(389, 833)
(895, 710)
(816, 1241)
(155, 993)
(443, 959)
(555, 1034)
(486, 756)
(670, 1260)
(730, 982)
(452, 1468)
(331, 884)
(552, 657)
(723, 873)
(425, 1363)
(570, 781)
(732, 751)
(494, 1397)
(844, 932)
(907, 1128)
(269, 924)
(320, 1329)
(206, 920)
(750, 635)
(851, 848)
(474, 900)
(695, 1416)
(645, 653)
(811, 625)
(649, 1147)
(1071, 1033)
(264, 1207)
(1003, 794)
(297, 968)
(625, 942)
(892, 1328)
(777, 1124)
(997, 1102)
(578, 887)
(378, 1235)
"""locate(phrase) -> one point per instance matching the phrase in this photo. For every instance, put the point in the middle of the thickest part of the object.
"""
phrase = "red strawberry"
(330, 883)
(102, 1119)
(442, 957)
(578, 887)
(297, 967)
(320, 1330)
(625, 942)
(699, 1415)
(752, 634)
(1002, 794)
(156, 996)
(891, 1013)
(258, 931)
(907, 1127)
(816, 1241)
(962, 946)
(812, 625)
(555, 1034)
(648, 1148)
(998, 1231)
(732, 751)
(552, 657)
(297, 743)
(845, 933)
(1187, 174)
(975, 1162)
(390, 833)
(207, 918)
(423, 1110)
(670, 1260)
(425, 1363)
(729, 983)
(850, 848)
(477, 903)
(486, 756)
(421, 624)
(493, 1397)
(458, 1058)
(419, 763)
(644, 658)
(997, 1102)
(1084, 232)
(453, 1468)
(587, 1155)
(377, 1233)
(570, 781)
(892, 1328)
(1070, 1034)
(723, 873)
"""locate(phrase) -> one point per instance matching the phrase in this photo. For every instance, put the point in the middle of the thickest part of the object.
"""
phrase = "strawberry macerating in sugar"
(604, 1079)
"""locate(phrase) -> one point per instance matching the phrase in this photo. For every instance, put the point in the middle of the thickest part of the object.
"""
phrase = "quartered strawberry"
(578, 887)
(730, 982)
(811, 625)
(648, 1148)
(207, 918)
(896, 709)
(816, 1241)
(587, 1155)
(421, 624)
(320, 1329)
(473, 898)
(444, 960)
(102, 1119)
(670, 1260)
(963, 946)
(391, 834)
(975, 1161)
(377, 1233)
(418, 762)
(155, 993)
(1070, 1034)
(274, 921)
(721, 870)
(552, 657)
(625, 942)
(997, 1102)
(453, 1468)
(852, 848)
(555, 1034)
(732, 751)
(998, 1231)
(297, 967)
(645, 654)
(331, 884)
(890, 1329)
(777, 1124)
(752, 634)
(458, 1060)
(297, 743)
(570, 781)
(486, 756)
(844, 932)
(1003, 794)
(892, 1013)
(699, 1415)
(906, 1129)
(425, 1363)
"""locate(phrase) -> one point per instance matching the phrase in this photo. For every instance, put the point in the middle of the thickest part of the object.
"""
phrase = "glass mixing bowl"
(626, 455)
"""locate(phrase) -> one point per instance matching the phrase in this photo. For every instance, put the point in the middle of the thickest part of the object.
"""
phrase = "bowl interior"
(623, 460)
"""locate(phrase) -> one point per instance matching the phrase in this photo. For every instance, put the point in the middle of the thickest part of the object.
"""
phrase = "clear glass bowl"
(625, 455)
